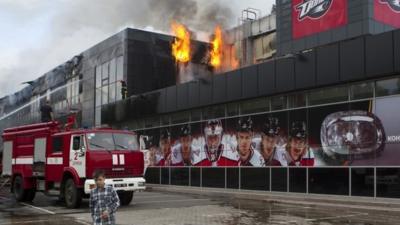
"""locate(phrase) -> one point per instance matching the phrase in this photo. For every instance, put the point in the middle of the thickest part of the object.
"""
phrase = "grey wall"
(360, 22)
(351, 60)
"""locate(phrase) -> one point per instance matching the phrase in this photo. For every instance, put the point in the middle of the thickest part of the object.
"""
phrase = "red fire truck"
(60, 161)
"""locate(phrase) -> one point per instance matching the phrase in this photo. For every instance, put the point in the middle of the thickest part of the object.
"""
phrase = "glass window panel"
(254, 178)
(278, 103)
(104, 95)
(165, 120)
(213, 177)
(214, 112)
(152, 175)
(254, 106)
(195, 115)
(180, 176)
(361, 91)
(279, 179)
(118, 93)
(232, 109)
(120, 68)
(328, 95)
(195, 177)
(152, 122)
(164, 175)
(333, 181)
(112, 91)
(104, 74)
(98, 116)
(180, 117)
(387, 182)
(298, 180)
(362, 182)
(98, 76)
(98, 97)
(297, 100)
(232, 178)
(388, 87)
(113, 70)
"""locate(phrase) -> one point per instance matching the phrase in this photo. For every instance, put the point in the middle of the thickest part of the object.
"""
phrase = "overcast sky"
(38, 35)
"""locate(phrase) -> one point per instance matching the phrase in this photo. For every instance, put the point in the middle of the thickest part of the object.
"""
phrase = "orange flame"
(217, 45)
(234, 61)
(181, 44)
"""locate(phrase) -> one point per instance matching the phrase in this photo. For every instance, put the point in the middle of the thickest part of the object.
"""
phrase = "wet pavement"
(161, 208)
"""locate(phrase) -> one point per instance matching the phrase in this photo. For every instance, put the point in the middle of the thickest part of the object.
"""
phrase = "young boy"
(103, 201)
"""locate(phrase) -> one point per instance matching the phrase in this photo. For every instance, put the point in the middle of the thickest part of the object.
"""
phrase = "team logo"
(393, 4)
(313, 9)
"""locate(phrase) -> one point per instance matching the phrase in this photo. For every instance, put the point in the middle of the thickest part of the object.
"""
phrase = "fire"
(217, 45)
(181, 44)
(234, 61)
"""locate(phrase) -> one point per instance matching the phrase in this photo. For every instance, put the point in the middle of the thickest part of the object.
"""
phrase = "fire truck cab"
(48, 158)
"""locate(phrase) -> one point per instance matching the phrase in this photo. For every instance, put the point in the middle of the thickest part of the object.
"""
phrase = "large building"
(312, 107)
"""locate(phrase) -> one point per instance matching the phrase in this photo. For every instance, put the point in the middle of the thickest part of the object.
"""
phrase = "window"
(120, 68)
(152, 122)
(328, 95)
(278, 103)
(57, 144)
(98, 76)
(76, 143)
(361, 91)
(165, 120)
(112, 141)
(213, 112)
(180, 117)
(388, 87)
(254, 106)
(297, 100)
(232, 109)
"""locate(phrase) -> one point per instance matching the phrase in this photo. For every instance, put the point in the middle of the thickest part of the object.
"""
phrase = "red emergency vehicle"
(57, 160)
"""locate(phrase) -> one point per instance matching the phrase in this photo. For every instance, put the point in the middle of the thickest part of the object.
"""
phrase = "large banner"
(314, 16)
(387, 12)
(364, 133)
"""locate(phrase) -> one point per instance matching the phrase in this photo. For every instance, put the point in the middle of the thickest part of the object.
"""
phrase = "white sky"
(38, 35)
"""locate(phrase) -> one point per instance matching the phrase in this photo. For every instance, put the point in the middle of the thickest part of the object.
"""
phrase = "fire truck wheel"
(72, 195)
(18, 189)
(125, 197)
(30, 195)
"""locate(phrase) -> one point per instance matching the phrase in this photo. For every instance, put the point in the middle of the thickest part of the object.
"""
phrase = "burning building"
(278, 80)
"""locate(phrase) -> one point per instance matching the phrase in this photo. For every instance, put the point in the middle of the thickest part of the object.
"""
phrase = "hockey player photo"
(182, 150)
(165, 145)
(247, 154)
(297, 150)
(213, 149)
(273, 156)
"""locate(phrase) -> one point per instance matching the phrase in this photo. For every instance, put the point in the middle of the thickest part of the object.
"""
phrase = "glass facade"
(331, 141)
(109, 78)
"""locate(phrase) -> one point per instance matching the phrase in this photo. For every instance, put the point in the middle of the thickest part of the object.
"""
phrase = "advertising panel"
(315, 16)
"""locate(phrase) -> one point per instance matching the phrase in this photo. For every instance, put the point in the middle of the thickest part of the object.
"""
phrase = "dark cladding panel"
(193, 94)
(352, 58)
(206, 92)
(305, 70)
(285, 75)
(379, 54)
(219, 88)
(250, 81)
(162, 101)
(397, 50)
(171, 99)
(266, 78)
(234, 85)
(182, 93)
(328, 64)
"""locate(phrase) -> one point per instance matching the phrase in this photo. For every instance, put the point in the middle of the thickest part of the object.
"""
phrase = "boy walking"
(103, 201)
